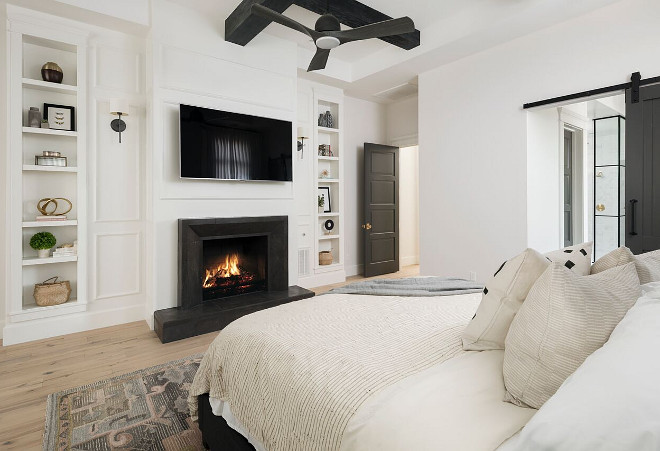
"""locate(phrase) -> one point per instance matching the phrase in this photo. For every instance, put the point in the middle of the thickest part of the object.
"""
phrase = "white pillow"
(648, 264)
(577, 258)
(612, 401)
(503, 296)
(564, 319)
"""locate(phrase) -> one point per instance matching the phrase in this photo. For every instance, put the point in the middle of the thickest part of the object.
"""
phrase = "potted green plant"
(43, 242)
(321, 202)
(45, 124)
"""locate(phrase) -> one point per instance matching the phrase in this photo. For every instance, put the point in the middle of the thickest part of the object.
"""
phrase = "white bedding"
(454, 405)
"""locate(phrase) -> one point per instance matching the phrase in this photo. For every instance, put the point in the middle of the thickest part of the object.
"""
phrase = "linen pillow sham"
(648, 264)
(564, 319)
(503, 296)
(577, 258)
(611, 402)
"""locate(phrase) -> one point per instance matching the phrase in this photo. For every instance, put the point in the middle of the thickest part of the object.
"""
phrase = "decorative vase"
(328, 120)
(52, 72)
(45, 124)
(43, 253)
(321, 209)
(34, 117)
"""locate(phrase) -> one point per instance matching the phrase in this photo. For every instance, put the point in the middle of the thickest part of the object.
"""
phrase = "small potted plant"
(321, 202)
(45, 124)
(43, 242)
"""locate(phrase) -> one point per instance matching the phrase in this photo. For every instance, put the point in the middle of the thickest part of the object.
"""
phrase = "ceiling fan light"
(327, 42)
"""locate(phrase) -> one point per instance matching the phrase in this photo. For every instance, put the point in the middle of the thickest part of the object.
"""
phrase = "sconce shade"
(303, 133)
(119, 106)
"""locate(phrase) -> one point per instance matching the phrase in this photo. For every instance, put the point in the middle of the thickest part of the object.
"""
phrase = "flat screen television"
(230, 146)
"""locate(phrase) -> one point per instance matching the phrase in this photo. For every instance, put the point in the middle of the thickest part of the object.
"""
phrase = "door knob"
(366, 226)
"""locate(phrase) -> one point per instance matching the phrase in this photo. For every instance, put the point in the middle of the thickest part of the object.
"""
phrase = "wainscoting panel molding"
(122, 70)
(118, 265)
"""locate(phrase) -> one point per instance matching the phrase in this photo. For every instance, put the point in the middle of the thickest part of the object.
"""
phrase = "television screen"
(230, 146)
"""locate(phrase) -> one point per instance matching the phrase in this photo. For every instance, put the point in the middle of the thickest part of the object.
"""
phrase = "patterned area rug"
(144, 410)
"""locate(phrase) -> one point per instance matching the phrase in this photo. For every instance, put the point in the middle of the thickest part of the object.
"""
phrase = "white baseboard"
(80, 322)
(322, 279)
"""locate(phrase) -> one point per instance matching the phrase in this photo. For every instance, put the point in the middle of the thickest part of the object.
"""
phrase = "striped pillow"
(648, 264)
(564, 319)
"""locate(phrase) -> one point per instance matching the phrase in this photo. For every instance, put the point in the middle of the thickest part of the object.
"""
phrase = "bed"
(351, 372)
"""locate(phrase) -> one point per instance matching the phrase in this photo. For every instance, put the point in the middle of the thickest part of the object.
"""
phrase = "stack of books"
(67, 250)
(51, 218)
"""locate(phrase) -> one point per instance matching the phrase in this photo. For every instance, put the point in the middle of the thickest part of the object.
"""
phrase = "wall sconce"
(303, 134)
(119, 108)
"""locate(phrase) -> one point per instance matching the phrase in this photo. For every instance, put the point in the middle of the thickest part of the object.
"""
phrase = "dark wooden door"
(643, 170)
(381, 211)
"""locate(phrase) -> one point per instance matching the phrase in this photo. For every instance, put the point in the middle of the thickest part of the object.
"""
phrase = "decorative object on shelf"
(324, 174)
(34, 117)
(50, 158)
(326, 120)
(66, 250)
(321, 202)
(324, 192)
(50, 293)
(325, 258)
(52, 72)
(45, 124)
(303, 134)
(60, 117)
(118, 107)
(42, 242)
(325, 150)
(328, 226)
(44, 203)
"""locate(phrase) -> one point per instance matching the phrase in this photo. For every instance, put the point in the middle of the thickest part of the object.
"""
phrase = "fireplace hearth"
(228, 267)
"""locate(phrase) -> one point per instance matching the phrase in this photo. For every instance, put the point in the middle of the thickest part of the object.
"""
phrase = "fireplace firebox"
(233, 266)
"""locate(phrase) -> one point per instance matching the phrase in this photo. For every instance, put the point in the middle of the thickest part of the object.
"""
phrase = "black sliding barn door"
(643, 170)
(381, 209)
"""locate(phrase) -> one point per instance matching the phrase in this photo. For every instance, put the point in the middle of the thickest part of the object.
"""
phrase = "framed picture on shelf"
(60, 117)
(324, 192)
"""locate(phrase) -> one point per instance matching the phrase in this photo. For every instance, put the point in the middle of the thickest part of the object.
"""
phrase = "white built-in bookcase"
(30, 46)
(332, 136)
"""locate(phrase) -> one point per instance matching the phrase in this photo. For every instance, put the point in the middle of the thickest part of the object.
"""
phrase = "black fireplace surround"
(227, 268)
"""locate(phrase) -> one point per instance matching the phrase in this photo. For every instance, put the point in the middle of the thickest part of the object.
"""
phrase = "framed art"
(60, 117)
(324, 191)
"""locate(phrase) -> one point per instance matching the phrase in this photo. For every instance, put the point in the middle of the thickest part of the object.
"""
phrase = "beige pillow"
(503, 296)
(564, 319)
(577, 258)
(648, 264)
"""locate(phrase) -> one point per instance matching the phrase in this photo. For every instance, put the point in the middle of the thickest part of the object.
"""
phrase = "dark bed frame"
(216, 433)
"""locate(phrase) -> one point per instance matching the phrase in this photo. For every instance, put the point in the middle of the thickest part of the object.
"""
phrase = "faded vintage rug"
(144, 410)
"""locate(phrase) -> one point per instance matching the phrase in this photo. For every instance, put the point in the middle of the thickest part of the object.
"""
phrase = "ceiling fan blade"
(319, 61)
(390, 27)
(274, 16)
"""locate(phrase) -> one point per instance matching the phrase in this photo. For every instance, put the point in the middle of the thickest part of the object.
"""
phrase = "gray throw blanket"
(412, 286)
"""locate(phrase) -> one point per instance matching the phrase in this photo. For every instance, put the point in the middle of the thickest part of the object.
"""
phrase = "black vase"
(52, 72)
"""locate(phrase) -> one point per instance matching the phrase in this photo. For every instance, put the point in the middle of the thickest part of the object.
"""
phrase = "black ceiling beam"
(241, 26)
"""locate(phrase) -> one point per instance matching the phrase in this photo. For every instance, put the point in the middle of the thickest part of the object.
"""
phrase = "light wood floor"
(29, 372)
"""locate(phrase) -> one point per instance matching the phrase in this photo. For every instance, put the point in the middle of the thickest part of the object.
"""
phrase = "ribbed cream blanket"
(294, 375)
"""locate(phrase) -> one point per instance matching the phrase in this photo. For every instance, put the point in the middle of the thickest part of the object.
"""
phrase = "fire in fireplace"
(233, 266)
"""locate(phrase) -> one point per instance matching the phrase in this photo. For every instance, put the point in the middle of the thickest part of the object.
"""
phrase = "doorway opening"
(563, 188)
(409, 206)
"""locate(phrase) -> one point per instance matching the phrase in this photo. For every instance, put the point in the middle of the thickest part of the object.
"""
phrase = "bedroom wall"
(3, 167)
(409, 206)
(402, 122)
(365, 122)
(191, 63)
(473, 193)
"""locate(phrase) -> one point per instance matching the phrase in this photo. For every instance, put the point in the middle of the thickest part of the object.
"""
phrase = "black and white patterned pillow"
(576, 258)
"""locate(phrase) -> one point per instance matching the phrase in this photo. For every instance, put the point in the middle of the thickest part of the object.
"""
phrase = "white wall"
(4, 157)
(473, 132)
(409, 206)
(402, 122)
(364, 122)
(191, 63)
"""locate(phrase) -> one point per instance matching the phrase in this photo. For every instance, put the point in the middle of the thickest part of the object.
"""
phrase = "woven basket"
(52, 293)
(325, 258)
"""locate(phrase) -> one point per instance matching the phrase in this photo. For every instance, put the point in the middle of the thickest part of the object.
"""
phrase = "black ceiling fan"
(327, 33)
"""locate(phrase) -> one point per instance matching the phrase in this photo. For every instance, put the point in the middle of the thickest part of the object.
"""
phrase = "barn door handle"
(633, 223)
